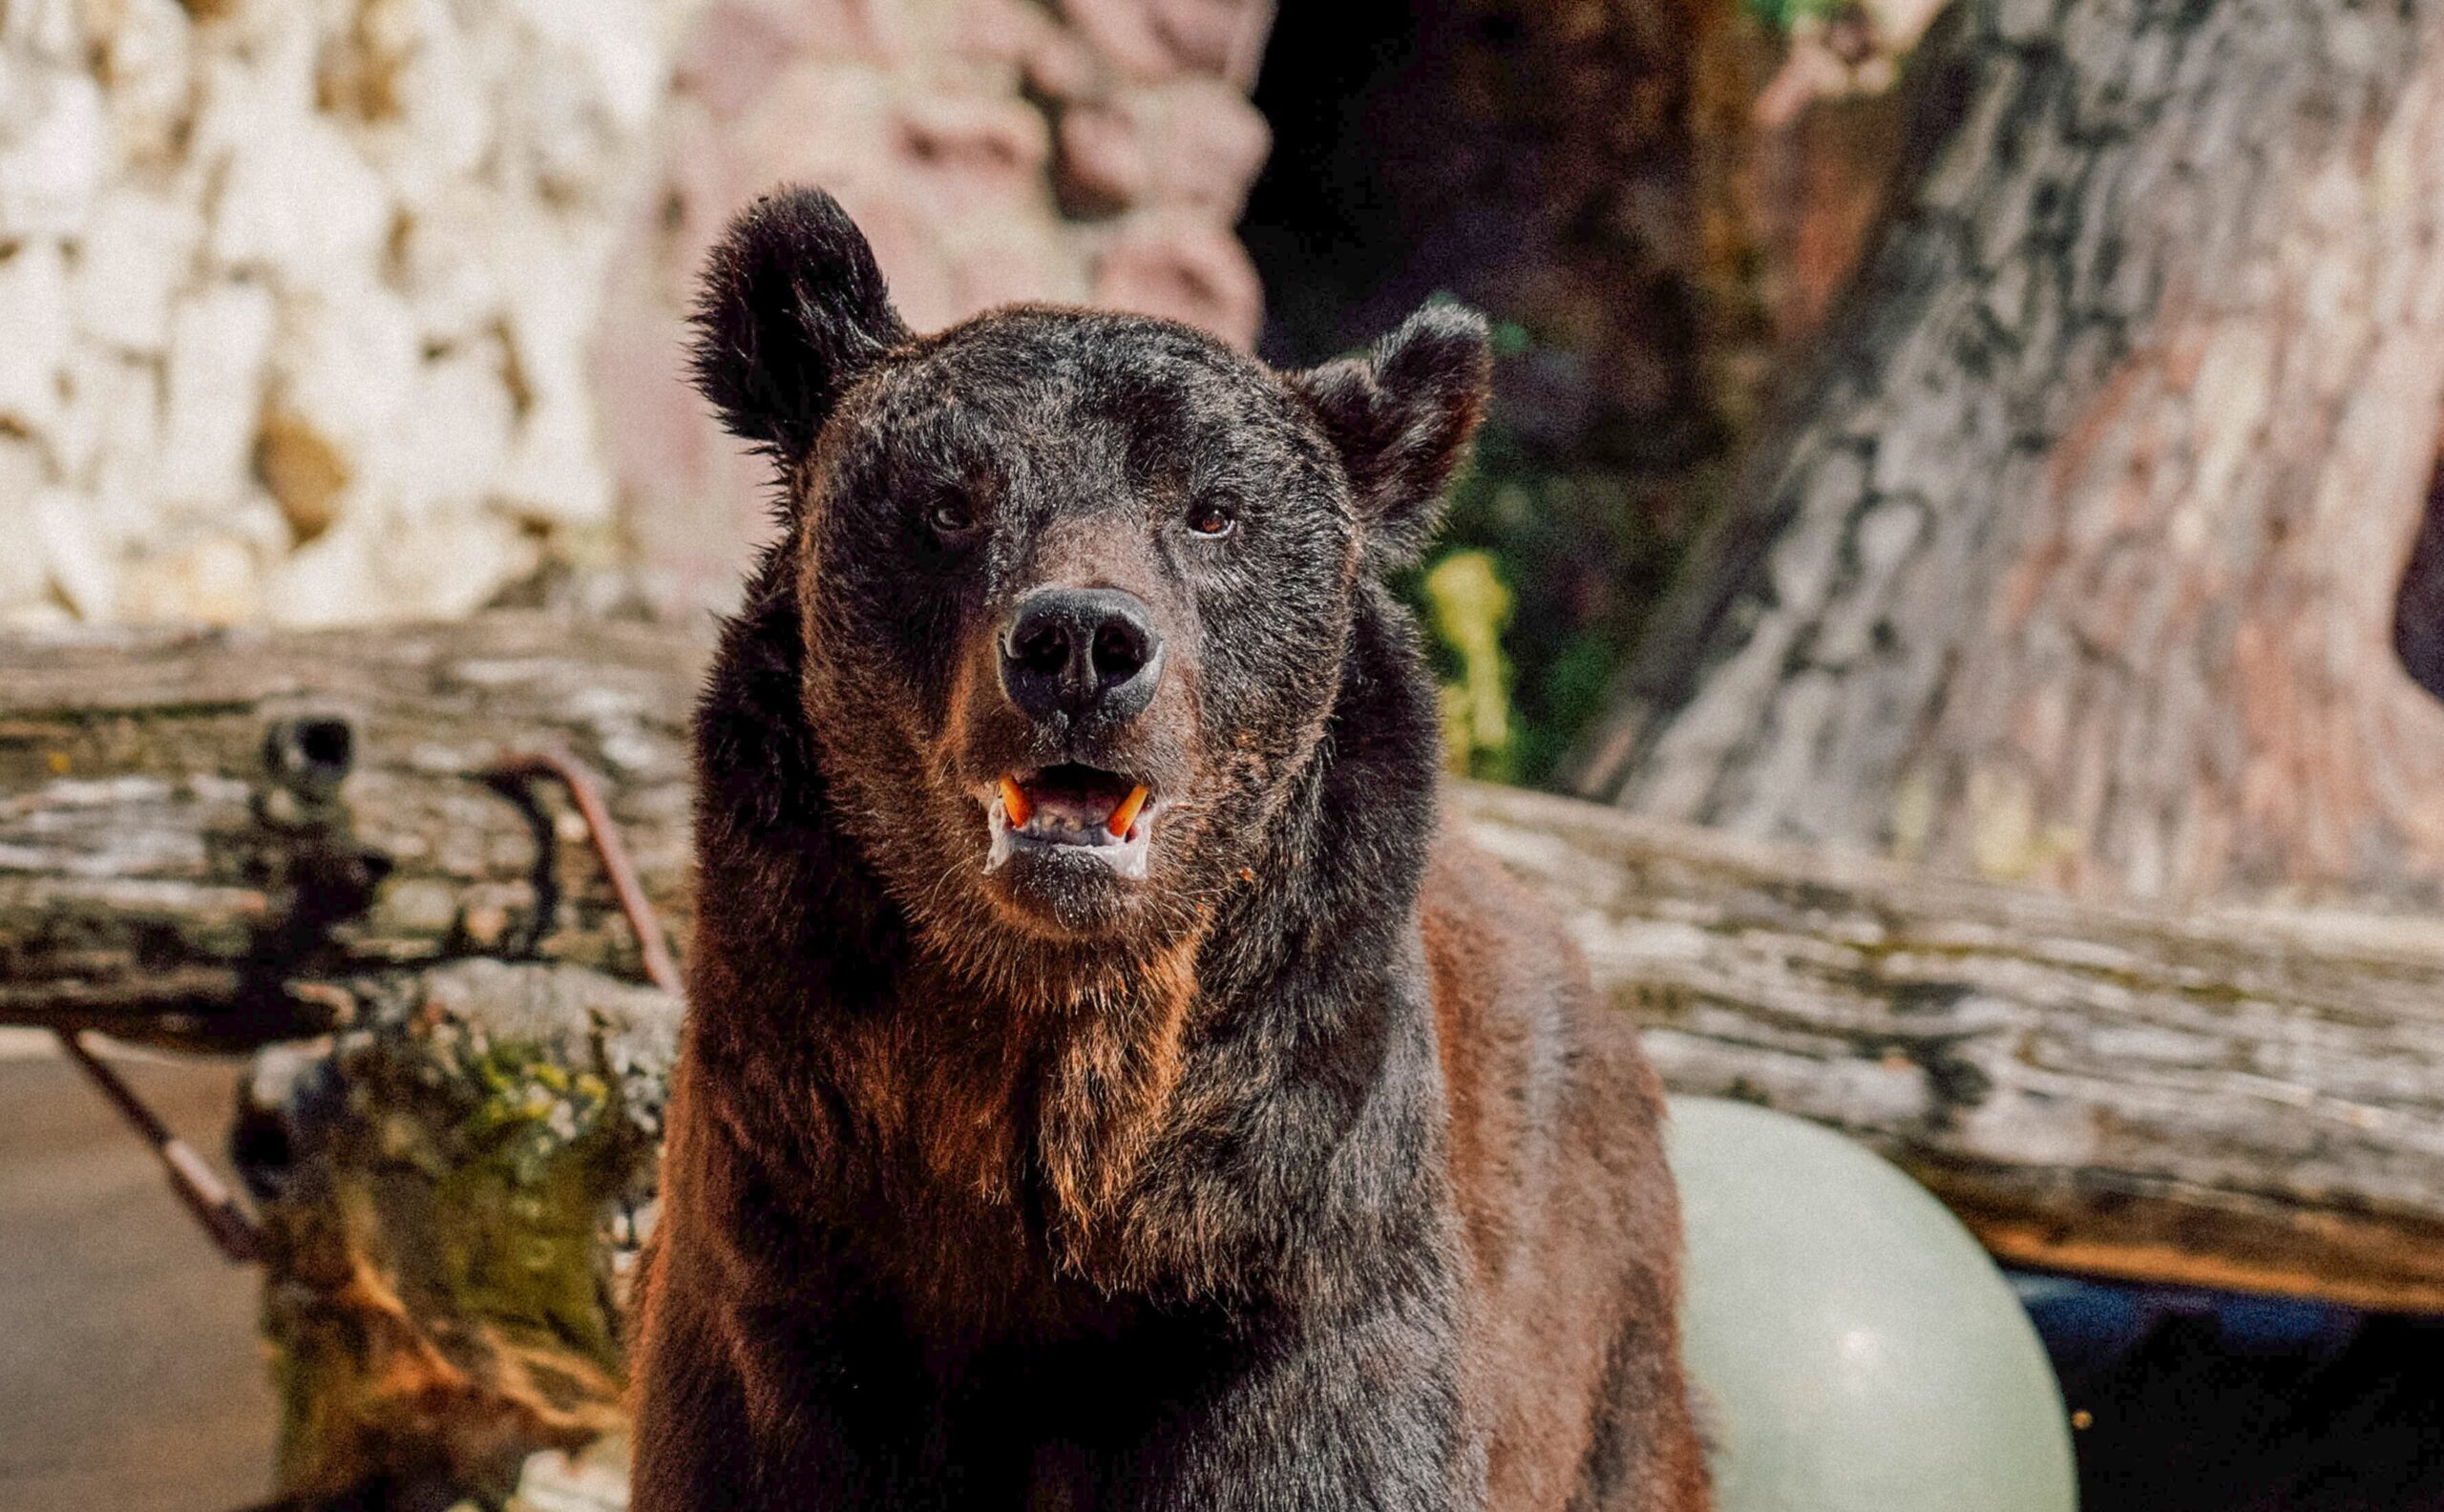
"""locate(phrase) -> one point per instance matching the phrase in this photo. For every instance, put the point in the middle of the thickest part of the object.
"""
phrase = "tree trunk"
(2077, 559)
(453, 1189)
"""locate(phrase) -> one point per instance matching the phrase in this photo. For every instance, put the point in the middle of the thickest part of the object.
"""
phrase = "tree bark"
(2077, 555)
(2251, 1103)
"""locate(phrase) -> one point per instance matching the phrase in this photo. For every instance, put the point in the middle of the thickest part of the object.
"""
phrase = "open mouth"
(1071, 808)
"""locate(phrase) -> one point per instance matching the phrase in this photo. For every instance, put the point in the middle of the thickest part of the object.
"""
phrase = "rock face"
(993, 150)
(298, 296)
(331, 310)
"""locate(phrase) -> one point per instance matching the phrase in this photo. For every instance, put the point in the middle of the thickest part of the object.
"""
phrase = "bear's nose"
(1081, 652)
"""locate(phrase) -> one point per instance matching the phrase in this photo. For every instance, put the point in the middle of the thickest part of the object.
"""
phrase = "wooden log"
(2254, 1102)
(2248, 1100)
(200, 833)
(453, 1189)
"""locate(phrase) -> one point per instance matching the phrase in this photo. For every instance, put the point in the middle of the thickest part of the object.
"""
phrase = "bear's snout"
(1073, 656)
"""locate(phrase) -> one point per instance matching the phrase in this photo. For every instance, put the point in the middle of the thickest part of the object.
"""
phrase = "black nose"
(1082, 652)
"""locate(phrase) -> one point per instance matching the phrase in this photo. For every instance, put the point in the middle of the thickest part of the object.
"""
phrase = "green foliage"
(1469, 607)
(1785, 14)
(1547, 571)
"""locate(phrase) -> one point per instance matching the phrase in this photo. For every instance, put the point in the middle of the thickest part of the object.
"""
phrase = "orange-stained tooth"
(1125, 814)
(1014, 804)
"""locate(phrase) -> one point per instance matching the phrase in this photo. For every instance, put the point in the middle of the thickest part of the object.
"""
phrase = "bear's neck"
(817, 1016)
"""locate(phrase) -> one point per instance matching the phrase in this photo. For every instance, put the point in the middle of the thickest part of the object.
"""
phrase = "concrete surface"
(130, 1377)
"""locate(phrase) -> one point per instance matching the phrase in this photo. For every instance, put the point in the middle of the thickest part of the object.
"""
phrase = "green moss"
(518, 1211)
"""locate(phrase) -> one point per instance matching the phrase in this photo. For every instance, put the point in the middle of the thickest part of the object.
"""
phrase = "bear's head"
(1075, 589)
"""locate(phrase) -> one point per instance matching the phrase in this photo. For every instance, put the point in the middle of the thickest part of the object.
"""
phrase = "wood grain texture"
(2075, 554)
(2251, 1101)
(195, 825)
(2245, 1100)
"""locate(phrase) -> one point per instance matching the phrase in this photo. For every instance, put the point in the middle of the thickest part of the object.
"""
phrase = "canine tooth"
(1125, 814)
(1013, 803)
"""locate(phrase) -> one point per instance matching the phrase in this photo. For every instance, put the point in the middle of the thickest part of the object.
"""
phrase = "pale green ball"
(1853, 1348)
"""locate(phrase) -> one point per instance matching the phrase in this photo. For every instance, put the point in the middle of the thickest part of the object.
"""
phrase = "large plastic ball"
(1853, 1348)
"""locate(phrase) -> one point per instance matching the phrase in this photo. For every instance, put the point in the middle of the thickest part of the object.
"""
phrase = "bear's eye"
(1211, 517)
(951, 518)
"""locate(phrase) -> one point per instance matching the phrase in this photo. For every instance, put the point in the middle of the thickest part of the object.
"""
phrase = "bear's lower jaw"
(1053, 835)
(1073, 811)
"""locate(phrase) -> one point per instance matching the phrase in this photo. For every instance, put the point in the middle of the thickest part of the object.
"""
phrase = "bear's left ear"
(792, 310)
(1401, 417)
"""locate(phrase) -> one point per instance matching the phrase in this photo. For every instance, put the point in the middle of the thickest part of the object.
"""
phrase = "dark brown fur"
(1304, 1172)
(1557, 1164)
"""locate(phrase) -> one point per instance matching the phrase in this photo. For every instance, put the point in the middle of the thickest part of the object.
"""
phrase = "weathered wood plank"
(194, 825)
(2253, 1102)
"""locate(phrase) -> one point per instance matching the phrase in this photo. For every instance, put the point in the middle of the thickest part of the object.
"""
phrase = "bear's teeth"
(1014, 819)
(1125, 814)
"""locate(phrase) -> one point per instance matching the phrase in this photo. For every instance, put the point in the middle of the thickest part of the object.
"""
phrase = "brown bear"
(1108, 1084)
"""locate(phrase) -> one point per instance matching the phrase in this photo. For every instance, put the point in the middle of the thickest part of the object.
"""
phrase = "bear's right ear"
(1401, 417)
(792, 310)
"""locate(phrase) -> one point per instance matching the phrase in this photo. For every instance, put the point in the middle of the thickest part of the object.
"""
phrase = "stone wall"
(993, 150)
(295, 296)
(324, 310)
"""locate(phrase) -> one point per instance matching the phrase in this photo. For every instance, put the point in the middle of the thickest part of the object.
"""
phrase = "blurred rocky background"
(342, 310)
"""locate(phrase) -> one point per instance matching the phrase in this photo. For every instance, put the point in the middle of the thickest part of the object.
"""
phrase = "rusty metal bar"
(226, 1222)
(586, 790)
